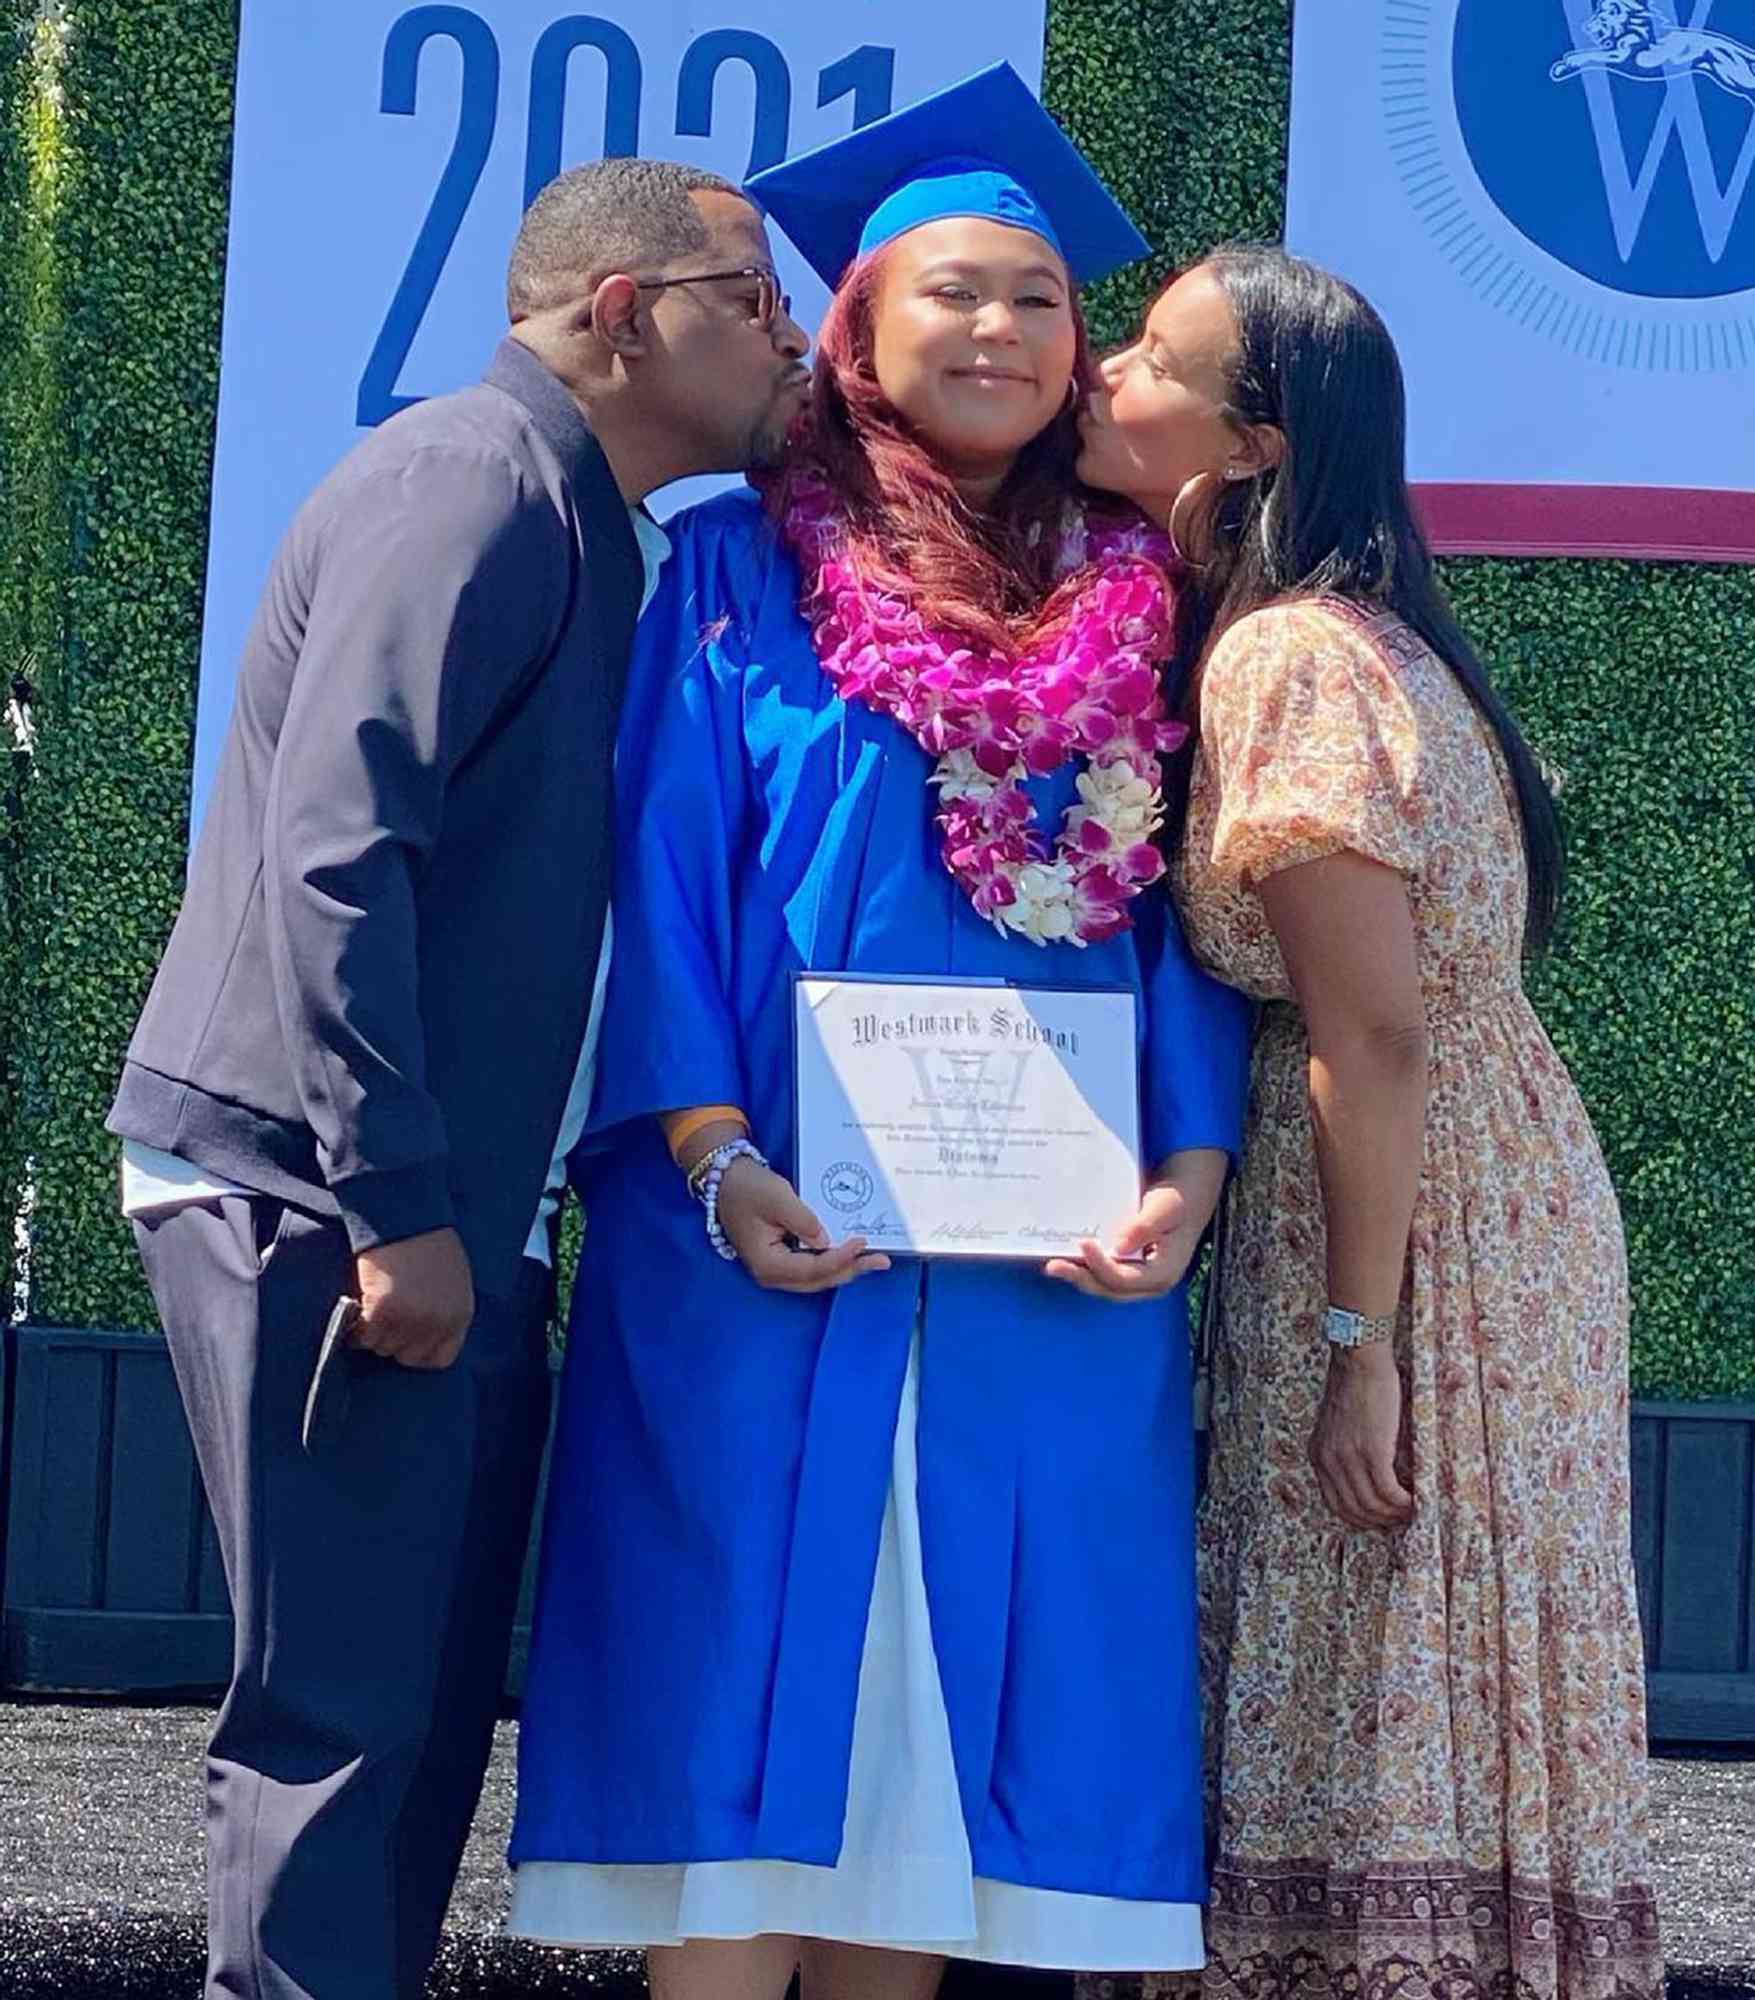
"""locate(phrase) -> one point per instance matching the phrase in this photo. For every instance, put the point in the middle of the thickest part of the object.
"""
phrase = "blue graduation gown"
(723, 1453)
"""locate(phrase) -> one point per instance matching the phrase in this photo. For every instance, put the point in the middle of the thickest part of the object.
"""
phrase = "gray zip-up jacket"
(374, 997)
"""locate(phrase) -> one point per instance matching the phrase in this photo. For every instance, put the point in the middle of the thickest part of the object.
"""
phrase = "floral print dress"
(1426, 1750)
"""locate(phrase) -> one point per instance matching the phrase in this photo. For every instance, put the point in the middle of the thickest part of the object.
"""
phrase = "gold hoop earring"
(1182, 493)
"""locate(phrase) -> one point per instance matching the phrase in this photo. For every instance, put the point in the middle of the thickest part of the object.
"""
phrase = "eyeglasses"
(770, 300)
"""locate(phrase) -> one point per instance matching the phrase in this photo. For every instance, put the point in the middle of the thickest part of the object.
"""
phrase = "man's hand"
(416, 1299)
(758, 1211)
(1356, 1448)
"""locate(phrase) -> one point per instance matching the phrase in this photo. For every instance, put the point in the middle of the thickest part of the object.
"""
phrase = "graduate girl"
(838, 1657)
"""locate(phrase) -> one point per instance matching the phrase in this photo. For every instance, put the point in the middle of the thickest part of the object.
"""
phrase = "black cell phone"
(331, 1387)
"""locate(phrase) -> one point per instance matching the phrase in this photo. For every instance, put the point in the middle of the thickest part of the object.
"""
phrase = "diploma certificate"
(966, 1119)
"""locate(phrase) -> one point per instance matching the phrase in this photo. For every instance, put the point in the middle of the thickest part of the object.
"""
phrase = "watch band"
(1346, 1328)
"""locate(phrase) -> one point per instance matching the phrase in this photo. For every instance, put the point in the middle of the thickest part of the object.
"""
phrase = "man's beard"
(768, 451)
(770, 440)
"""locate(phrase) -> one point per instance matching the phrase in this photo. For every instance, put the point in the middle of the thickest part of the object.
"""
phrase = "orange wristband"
(681, 1126)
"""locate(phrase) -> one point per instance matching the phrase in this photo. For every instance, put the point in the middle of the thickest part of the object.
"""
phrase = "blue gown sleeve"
(1195, 1073)
(670, 1035)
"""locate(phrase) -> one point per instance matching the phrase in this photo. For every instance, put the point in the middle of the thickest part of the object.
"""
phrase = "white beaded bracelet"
(704, 1183)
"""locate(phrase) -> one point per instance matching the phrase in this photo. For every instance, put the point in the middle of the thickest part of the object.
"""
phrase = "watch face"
(1347, 1328)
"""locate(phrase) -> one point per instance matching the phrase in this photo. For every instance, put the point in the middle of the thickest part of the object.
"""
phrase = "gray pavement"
(101, 1813)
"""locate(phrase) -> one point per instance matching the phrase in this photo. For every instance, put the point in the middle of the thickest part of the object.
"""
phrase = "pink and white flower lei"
(993, 719)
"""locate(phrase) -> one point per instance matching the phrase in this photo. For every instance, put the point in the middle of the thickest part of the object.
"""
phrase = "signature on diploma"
(1029, 1232)
(881, 1229)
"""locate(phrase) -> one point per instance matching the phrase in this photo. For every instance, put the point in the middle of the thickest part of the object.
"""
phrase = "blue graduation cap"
(983, 147)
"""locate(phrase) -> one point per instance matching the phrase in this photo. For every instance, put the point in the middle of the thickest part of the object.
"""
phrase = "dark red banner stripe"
(1649, 523)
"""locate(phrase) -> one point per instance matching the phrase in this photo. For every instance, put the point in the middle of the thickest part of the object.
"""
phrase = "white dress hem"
(905, 1880)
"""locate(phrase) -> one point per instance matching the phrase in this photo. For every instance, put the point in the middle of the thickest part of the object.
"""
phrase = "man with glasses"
(368, 1047)
(763, 305)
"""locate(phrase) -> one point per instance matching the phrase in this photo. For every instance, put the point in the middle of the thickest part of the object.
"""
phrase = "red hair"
(987, 576)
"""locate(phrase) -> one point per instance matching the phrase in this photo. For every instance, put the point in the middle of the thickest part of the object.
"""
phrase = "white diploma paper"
(966, 1120)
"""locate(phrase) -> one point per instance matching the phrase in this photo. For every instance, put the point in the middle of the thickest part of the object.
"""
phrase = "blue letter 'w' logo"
(1697, 57)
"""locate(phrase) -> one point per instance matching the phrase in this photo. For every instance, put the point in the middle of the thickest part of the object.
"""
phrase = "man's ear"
(612, 313)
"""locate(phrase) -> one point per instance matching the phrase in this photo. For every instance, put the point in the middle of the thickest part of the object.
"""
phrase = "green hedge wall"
(34, 161)
(138, 237)
(1634, 680)
(15, 400)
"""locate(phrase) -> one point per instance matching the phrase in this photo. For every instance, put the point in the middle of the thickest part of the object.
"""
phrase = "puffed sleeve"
(1312, 744)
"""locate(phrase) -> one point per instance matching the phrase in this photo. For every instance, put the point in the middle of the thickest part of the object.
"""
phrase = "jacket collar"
(604, 513)
(526, 380)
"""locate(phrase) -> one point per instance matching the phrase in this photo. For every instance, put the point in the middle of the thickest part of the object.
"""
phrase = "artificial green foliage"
(139, 234)
(1632, 679)
(34, 163)
(16, 401)
(1182, 106)
(14, 775)
(1635, 681)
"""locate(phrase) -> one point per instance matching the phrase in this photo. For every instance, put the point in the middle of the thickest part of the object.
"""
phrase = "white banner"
(384, 154)
(1549, 201)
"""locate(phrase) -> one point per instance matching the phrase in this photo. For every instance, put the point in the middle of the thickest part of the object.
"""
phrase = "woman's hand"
(759, 1212)
(1162, 1236)
(1355, 1448)
(1151, 1254)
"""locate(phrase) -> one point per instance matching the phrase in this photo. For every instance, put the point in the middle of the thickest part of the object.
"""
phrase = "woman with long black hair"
(1421, 1650)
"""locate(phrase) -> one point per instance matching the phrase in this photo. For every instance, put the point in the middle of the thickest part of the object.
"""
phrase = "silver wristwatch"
(1351, 1329)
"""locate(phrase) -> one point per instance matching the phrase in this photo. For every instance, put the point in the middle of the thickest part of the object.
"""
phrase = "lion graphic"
(1644, 44)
